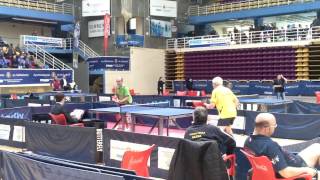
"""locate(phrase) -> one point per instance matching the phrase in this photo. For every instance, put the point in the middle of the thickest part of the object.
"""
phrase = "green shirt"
(122, 92)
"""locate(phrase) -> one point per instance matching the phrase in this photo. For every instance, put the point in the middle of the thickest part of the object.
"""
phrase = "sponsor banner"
(42, 41)
(106, 32)
(76, 35)
(16, 113)
(113, 63)
(5, 131)
(118, 148)
(18, 133)
(95, 7)
(27, 77)
(130, 40)
(160, 28)
(96, 28)
(165, 154)
(208, 42)
(163, 8)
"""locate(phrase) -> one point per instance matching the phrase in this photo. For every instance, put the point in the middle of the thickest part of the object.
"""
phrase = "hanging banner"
(160, 28)
(163, 8)
(96, 28)
(95, 7)
(75, 60)
(76, 35)
(106, 32)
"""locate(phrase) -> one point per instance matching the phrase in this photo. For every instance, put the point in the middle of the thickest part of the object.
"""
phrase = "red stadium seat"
(197, 104)
(231, 159)
(61, 120)
(137, 161)
(203, 93)
(181, 93)
(166, 92)
(192, 93)
(262, 168)
(318, 96)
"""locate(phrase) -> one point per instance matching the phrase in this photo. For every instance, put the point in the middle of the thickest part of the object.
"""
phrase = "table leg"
(133, 123)
(160, 126)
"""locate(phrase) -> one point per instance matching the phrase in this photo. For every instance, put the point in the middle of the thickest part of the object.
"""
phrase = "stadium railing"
(267, 36)
(215, 8)
(63, 8)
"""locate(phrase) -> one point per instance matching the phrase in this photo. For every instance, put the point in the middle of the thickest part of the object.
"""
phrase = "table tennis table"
(163, 115)
(263, 103)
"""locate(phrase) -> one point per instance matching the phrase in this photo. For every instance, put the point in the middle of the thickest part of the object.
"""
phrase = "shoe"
(127, 129)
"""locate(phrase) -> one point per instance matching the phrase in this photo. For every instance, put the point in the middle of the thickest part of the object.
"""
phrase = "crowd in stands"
(14, 57)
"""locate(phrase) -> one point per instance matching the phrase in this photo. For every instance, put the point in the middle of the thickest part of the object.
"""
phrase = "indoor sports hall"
(160, 89)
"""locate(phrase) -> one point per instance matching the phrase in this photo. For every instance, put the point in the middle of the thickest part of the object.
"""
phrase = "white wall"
(146, 66)
(11, 31)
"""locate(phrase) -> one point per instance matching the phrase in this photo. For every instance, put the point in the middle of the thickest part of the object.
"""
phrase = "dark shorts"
(298, 162)
(225, 122)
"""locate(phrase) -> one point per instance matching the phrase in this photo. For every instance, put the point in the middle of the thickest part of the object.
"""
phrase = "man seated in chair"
(285, 164)
(201, 131)
(58, 108)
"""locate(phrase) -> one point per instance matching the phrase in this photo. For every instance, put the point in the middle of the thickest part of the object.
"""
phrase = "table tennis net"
(141, 107)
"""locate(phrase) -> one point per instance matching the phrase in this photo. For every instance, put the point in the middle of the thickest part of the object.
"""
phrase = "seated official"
(58, 108)
(284, 163)
(201, 131)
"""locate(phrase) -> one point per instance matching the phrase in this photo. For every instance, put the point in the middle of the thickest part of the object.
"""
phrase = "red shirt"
(56, 85)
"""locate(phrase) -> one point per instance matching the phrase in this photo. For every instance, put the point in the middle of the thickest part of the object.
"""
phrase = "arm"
(124, 99)
(227, 141)
(285, 79)
(296, 171)
(213, 101)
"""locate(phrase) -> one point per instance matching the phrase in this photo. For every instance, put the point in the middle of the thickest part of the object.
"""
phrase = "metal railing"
(45, 58)
(253, 37)
(86, 50)
(237, 6)
(67, 44)
(63, 8)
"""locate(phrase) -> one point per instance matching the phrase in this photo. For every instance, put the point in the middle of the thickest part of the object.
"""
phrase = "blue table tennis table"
(163, 115)
(263, 103)
(68, 95)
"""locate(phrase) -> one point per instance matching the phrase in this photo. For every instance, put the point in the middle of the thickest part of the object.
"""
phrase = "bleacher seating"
(11, 57)
(238, 64)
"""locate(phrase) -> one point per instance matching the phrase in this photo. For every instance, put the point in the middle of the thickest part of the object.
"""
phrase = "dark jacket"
(59, 109)
(197, 161)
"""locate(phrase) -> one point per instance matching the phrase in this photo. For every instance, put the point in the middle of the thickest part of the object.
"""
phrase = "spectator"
(4, 63)
(189, 84)
(160, 86)
(201, 131)
(34, 33)
(58, 108)
(64, 83)
(55, 84)
(285, 163)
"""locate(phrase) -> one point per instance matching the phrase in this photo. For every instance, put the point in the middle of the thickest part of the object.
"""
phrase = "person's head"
(229, 85)
(64, 77)
(59, 97)
(265, 124)
(200, 115)
(279, 76)
(160, 79)
(119, 81)
(217, 81)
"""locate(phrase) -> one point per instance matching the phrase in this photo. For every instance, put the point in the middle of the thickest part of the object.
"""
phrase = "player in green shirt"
(122, 97)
